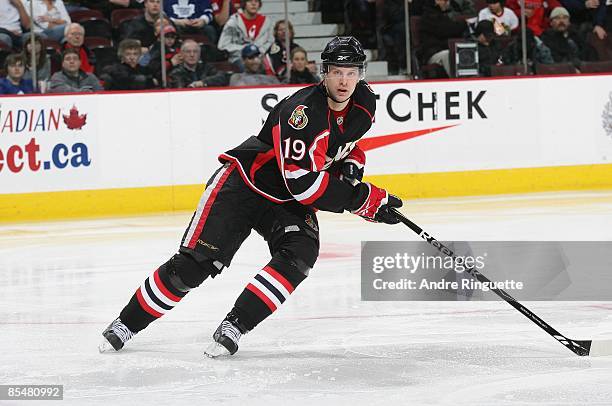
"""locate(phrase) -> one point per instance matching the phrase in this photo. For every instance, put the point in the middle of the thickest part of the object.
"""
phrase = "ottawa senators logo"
(299, 119)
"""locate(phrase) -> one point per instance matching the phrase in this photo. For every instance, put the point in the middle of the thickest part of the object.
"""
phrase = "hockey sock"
(152, 299)
(266, 292)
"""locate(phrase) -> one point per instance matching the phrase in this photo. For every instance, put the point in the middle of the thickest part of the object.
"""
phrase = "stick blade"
(601, 348)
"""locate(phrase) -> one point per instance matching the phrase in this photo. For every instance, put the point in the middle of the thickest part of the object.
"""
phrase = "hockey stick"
(579, 347)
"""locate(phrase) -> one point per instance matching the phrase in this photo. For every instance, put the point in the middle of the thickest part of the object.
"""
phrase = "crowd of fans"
(91, 45)
(84, 46)
(567, 32)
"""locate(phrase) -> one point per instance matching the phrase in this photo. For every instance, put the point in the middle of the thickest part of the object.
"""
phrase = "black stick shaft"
(578, 347)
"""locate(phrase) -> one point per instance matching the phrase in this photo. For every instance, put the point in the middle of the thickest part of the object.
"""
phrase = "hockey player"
(304, 159)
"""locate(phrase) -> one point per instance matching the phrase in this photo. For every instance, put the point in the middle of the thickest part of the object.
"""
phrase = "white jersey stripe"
(202, 204)
(266, 292)
(313, 148)
(298, 173)
(159, 294)
(150, 301)
(312, 189)
(275, 283)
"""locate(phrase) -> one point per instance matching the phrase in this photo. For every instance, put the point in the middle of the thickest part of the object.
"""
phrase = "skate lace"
(231, 331)
(121, 331)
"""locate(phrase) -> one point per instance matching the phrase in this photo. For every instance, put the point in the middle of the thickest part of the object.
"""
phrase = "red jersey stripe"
(145, 306)
(279, 278)
(211, 199)
(261, 296)
(163, 288)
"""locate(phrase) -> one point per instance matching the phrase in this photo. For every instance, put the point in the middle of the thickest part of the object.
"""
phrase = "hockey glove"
(352, 167)
(377, 204)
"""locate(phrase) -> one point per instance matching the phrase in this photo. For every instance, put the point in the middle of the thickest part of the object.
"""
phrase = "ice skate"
(115, 336)
(226, 338)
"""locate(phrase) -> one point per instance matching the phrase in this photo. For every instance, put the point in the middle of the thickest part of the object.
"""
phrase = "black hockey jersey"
(300, 145)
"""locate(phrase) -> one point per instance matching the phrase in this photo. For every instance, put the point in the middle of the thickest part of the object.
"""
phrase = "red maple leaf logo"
(75, 121)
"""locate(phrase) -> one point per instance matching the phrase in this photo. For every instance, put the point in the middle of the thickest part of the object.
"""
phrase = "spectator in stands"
(142, 27)
(50, 18)
(192, 72)
(589, 15)
(565, 44)
(127, 74)
(43, 63)
(192, 17)
(75, 37)
(602, 20)
(243, 28)
(536, 13)
(71, 79)
(251, 59)
(394, 33)
(537, 51)
(489, 48)
(172, 56)
(275, 60)
(13, 18)
(14, 82)
(504, 20)
(222, 10)
(127, 3)
(73, 5)
(436, 29)
(300, 74)
(463, 8)
(106, 7)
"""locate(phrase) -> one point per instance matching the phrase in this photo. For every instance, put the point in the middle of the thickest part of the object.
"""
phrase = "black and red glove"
(352, 167)
(377, 204)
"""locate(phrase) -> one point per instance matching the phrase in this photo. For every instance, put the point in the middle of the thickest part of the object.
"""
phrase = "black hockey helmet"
(343, 51)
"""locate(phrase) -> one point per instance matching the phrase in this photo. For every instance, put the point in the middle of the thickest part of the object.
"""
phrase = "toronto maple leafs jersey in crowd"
(300, 146)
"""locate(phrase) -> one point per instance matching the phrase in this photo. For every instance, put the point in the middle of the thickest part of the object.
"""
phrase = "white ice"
(61, 283)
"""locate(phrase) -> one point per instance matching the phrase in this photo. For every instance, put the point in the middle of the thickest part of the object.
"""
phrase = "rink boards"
(129, 153)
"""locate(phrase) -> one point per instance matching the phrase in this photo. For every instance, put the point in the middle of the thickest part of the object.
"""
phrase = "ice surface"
(61, 283)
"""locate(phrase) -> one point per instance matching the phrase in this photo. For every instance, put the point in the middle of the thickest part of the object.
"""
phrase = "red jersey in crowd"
(254, 25)
(538, 22)
(217, 5)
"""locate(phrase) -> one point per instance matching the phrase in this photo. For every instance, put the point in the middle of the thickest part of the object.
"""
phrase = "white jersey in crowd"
(9, 17)
(40, 9)
(506, 20)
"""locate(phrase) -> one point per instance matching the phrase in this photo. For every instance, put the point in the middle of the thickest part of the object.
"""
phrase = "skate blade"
(105, 346)
(216, 350)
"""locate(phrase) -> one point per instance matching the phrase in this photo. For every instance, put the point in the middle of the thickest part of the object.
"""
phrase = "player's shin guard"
(163, 290)
(269, 289)
(265, 293)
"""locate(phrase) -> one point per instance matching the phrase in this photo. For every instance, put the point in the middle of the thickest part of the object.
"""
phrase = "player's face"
(252, 64)
(75, 36)
(16, 71)
(251, 6)
(153, 7)
(299, 61)
(341, 81)
(495, 8)
(71, 63)
(131, 56)
(191, 54)
(560, 24)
